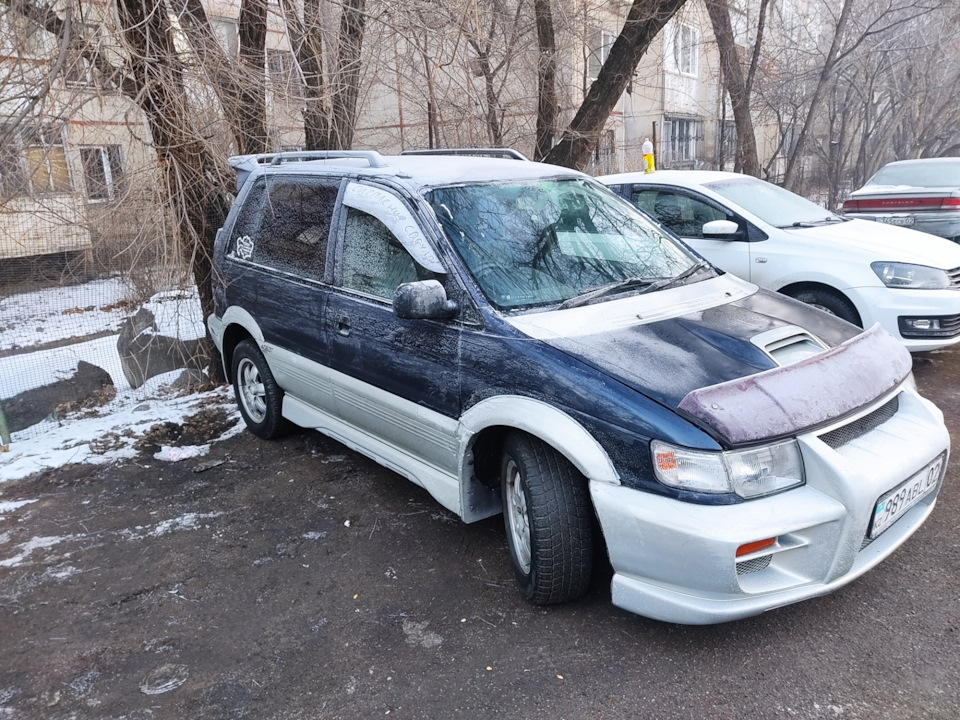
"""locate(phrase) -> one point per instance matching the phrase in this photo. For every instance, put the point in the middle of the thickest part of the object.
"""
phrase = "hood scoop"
(789, 344)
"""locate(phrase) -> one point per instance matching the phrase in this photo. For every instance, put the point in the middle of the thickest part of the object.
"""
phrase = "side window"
(645, 199)
(374, 261)
(294, 226)
(683, 214)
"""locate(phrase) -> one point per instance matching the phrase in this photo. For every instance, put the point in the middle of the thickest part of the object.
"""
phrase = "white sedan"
(863, 272)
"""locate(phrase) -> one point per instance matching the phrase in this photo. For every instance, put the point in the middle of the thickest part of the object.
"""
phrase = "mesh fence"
(101, 321)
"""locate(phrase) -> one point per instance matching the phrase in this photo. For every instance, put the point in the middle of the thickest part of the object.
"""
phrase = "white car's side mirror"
(720, 229)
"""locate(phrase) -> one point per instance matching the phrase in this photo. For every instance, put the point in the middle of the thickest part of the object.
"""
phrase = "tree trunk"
(547, 106)
(736, 86)
(240, 93)
(191, 177)
(645, 19)
(252, 131)
(347, 81)
(307, 40)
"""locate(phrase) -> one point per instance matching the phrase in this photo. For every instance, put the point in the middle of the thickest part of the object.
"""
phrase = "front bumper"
(676, 561)
(887, 305)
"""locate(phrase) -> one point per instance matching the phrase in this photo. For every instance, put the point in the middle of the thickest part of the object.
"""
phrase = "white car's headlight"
(906, 275)
(748, 473)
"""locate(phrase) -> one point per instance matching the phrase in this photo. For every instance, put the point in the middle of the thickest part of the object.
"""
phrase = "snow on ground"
(111, 435)
(59, 313)
(108, 433)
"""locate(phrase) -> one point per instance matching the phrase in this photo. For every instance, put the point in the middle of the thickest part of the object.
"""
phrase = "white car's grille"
(954, 275)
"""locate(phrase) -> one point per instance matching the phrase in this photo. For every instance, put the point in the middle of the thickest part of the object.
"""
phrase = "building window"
(600, 43)
(77, 71)
(227, 34)
(681, 142)
(102, 172)
(284, 73)
(726, 143)
(686, 47)
(33, 161)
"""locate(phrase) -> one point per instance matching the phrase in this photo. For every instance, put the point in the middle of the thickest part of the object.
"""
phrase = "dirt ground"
(296, 579)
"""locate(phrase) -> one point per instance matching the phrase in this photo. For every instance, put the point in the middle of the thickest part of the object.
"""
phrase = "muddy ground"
(297, 579)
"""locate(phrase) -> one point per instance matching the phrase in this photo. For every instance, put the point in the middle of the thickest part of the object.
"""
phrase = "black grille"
(954, 275)
(861, 426)
(753, 565)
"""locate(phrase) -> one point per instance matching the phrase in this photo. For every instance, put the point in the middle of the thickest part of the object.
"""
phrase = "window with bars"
(102, 172)
(681, 143)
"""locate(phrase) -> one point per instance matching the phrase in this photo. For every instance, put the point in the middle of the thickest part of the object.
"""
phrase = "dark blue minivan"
(515, 338)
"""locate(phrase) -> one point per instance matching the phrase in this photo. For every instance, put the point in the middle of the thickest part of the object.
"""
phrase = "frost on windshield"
(543, 242)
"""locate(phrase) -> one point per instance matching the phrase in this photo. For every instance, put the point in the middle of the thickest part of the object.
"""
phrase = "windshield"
(772, 204)
(931, 174)
(545, 242)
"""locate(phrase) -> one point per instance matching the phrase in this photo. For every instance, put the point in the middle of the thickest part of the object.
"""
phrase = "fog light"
(922, 323)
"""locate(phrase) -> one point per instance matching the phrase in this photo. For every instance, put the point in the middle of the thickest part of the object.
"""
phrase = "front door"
(395, 379)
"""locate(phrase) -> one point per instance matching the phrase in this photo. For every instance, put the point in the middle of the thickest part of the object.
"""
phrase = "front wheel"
(829, 301)
(548, 518)
(259, 397)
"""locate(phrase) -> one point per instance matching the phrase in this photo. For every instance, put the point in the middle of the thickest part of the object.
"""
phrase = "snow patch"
(11, 505)
(27, 548)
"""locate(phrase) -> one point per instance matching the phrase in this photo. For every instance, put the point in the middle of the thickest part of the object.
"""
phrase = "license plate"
(904, 221)
(895, 503)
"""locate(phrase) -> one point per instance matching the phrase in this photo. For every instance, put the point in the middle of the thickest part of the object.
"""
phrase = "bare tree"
(644, 21)
(547, 108)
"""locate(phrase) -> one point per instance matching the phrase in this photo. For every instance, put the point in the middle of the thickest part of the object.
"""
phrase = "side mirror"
(423, 300)
(721, 230)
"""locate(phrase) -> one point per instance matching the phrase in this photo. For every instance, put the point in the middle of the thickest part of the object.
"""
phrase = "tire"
(258, 396)
(829, 301)
(548, 519)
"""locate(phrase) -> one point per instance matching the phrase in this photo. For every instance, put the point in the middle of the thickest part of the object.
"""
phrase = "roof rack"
(508, 153)
(243, 165)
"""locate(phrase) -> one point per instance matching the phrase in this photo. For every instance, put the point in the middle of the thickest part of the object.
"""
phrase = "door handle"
(343, 325)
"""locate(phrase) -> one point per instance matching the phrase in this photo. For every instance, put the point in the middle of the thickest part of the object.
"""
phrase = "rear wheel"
(259, 397)
(829, 301)
(548, 518)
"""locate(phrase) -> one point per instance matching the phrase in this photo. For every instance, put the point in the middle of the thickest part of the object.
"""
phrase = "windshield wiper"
(812, 223)
(645, 284)
(608, 289)
(677, 280)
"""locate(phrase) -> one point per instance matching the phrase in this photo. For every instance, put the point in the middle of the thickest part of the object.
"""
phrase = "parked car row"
(513, 337)
(864, 273)
(920, 194)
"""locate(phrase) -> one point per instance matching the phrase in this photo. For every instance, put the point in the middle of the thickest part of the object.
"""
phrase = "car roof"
(419, 171)
(682, 178)
(925, 161)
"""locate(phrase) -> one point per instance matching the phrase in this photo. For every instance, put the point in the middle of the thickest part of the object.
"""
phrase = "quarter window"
(293, 229)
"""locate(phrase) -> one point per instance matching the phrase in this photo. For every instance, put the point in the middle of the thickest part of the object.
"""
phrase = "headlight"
(905, 275)
(748, 473)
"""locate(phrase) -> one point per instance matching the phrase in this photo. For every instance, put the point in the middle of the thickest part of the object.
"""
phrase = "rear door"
(278, 249)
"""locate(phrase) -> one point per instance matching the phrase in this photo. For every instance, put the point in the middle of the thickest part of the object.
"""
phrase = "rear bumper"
(676, 561)
(944, 224)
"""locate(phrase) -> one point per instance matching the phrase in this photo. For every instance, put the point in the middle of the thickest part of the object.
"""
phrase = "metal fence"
(96, 310)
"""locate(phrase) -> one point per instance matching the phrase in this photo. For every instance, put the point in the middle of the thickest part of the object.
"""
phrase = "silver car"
(919, 194)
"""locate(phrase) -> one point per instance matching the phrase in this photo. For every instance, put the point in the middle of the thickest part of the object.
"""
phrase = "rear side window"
(374, 261)
(285, 224)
